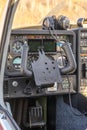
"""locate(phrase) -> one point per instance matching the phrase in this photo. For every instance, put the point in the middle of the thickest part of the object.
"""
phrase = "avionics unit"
(17, 84)
(81, 42)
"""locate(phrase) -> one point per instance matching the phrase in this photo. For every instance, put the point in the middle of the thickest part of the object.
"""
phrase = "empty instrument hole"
(45, 63)
(47, 68)
(52, 62)
(14, 91)
(54, 68)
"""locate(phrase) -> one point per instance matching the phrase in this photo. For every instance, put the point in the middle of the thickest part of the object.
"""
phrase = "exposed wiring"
(53, 34)
(70, 102)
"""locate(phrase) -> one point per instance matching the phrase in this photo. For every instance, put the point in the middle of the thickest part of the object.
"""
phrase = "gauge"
(31, 58)
(17, 62)
(17, 46)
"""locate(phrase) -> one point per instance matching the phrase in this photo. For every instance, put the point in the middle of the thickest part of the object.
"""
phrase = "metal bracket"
(45, 70)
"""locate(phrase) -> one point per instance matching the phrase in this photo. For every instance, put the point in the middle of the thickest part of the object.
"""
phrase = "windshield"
(2, 5)
(30, 13)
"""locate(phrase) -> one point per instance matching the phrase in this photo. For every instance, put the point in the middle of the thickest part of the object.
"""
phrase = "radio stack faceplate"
(81, 37)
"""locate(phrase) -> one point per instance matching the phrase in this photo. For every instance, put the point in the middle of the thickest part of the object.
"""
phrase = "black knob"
(27, 90)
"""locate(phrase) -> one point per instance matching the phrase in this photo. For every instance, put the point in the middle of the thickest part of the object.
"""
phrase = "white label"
(54, 88)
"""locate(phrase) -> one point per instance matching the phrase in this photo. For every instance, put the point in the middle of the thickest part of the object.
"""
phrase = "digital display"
(47, 45)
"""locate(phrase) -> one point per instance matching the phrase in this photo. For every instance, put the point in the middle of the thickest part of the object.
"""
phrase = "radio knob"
(84, 70)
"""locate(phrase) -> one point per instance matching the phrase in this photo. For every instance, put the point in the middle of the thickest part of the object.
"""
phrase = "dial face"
(30, 60)
(17, 63)
(17, 46)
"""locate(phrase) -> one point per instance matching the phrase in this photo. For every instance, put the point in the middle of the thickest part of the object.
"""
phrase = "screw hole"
(14, 91)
